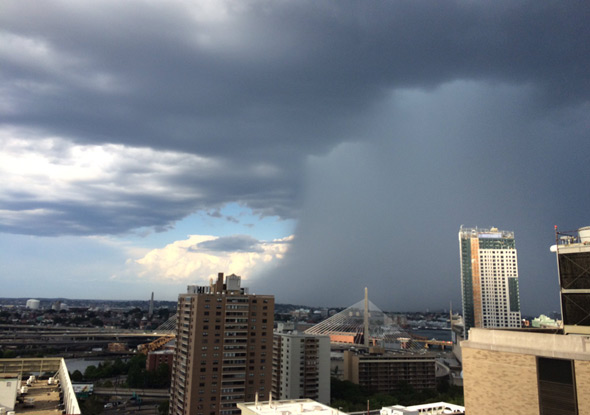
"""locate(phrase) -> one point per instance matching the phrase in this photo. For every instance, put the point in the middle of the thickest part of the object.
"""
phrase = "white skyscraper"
(489, 278)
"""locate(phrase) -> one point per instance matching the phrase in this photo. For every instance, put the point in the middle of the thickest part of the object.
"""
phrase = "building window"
(557, 388)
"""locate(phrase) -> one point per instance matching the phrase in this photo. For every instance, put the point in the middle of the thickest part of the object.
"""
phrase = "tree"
(163, 408)
(96, 322)
(9, 354)
(119, 367)
(164, 313)
(77, 376)
(91, 406)
(136, 377)
(91, 372)
(162, 376)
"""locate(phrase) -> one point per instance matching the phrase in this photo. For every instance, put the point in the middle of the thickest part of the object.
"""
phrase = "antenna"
(366, 317)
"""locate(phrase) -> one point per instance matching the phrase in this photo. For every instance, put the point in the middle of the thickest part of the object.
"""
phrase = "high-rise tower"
(223, 348)
(489, 279)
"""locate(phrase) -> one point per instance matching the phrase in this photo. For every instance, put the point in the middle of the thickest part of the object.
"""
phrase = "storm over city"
(314, 148)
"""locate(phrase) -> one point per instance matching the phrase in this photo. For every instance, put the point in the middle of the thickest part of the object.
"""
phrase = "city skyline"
(313, 148)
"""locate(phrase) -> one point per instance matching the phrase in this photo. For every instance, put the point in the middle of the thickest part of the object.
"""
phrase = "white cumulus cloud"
(200, 257)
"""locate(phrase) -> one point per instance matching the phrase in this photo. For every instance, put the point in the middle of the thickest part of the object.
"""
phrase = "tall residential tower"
(223, 348)
(489, 279)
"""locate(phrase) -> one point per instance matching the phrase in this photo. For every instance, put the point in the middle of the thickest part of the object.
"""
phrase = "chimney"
(219, 284)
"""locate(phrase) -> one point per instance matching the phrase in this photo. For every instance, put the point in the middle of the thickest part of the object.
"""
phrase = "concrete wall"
(70, 401)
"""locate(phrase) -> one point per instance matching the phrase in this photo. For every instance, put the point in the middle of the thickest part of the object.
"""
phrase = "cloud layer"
(381, 127)
(240, 93)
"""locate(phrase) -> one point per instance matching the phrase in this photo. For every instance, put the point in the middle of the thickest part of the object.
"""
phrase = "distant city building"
(544, 322)
(117, 347)
(301, 366)
(33, 304)
(489, 279)
(437, 408)
(311, 407)
(159, 357)
(573, 261)
(378, 371)
(287, 407)
(223, 348)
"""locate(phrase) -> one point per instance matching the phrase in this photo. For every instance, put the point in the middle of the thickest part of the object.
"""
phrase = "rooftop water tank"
(33, 304)
(584, 234)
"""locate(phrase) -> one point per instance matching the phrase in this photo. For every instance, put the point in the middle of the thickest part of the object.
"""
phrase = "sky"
(313, 147)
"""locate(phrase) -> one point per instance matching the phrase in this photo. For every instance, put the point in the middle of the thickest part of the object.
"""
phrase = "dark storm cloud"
(261, 82)
(467, 154)
(234, 243)
(271, 81)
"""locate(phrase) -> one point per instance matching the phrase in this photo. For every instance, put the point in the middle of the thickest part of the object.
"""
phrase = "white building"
(489, 279)
(33, 304)
(437, 408)
(287, 407)
(310, 407)
(301, 366)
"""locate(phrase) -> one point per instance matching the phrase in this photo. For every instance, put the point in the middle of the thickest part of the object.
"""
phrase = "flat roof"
(571, 346)
(40, 399)
(288, 407)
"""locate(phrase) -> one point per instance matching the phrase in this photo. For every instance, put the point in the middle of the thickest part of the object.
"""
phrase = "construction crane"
(155, 345)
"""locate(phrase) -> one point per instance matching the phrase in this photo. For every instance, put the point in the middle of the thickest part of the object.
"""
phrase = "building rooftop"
(38, 395)
(571, 346)
(437, 408)
(485, 233)
(572, 241)
(40, 399)
(165, 351)
(288, 407)
(377, 353)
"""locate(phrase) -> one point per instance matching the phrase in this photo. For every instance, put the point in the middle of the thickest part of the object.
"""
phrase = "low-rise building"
(158, 357)
(380, 371)
(39, 393)
(287, 407)
(437, 408)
